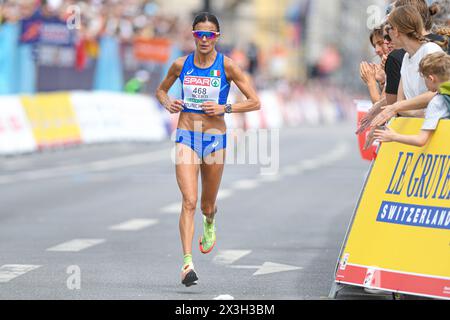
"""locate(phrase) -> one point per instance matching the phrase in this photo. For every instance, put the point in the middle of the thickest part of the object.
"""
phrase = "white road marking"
(11, 271)
(292, 170)
(172, 208)
(336, 154)
(95, 166)
(6, 180)
(270, 267)
(267, 268)
(224, 193)
(270, 178)
(224, 297)
(245, 184)
(226, 257)
(313, 164)
(17, 163)
(129, 161)
(76, 245)
(134, 225)
(310, 164)
(175, 208)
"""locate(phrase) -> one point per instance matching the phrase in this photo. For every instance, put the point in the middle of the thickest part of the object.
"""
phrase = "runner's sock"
(187, 259)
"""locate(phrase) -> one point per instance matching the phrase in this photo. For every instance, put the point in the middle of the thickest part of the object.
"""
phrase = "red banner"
(152, 50)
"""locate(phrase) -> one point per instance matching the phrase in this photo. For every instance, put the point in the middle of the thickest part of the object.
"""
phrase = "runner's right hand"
(175, 106)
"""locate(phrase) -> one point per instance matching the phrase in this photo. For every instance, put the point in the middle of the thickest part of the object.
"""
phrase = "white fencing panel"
(110, 117)
(16, 135)
(270, 106)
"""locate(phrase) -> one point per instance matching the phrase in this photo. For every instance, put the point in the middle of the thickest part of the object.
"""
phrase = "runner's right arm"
(162, 95)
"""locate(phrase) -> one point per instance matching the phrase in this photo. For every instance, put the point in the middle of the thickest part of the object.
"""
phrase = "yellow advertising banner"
(52, 119)
(400, 237)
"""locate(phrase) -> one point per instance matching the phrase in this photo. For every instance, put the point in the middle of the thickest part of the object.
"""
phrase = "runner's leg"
(187, 169)
(211, 174)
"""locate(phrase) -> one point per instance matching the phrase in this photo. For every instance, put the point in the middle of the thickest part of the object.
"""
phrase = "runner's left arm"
(235, 74)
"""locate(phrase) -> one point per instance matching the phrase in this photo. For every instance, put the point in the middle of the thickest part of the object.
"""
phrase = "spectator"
(392, 69)
(405, 28)
(441, 12)
(439, 36)
(114, 18)
(372, 74)
(435, 69)
(418, 98)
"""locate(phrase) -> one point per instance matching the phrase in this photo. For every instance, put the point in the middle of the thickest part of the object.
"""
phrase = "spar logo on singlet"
(215, 83)
(197, 81)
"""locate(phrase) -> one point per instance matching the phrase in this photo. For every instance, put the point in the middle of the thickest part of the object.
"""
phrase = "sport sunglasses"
(208, 34)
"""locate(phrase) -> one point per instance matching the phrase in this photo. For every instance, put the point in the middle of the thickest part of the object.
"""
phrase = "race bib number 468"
(198, 90)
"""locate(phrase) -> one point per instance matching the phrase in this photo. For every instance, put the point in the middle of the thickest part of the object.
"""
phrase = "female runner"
(201, 135)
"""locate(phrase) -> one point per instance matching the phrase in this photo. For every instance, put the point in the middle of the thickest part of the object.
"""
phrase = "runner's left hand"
(213, 109)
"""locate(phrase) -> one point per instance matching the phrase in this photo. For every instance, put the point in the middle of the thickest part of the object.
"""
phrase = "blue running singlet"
(203, 85)
(199, 86)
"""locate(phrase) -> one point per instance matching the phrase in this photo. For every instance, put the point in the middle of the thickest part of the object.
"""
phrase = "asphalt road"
(101, 222)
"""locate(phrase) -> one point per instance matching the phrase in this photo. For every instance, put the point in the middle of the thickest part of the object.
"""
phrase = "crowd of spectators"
(91, 19)
(413, 73)
(129, 19)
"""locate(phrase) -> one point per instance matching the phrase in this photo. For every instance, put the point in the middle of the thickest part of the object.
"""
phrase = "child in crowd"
(435, 68)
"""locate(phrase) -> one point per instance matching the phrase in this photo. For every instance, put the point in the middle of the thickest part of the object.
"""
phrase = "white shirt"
(436, 110)
(413, 83)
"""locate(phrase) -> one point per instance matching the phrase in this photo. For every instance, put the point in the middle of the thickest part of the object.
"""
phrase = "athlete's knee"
(189, 204)
(208, 208)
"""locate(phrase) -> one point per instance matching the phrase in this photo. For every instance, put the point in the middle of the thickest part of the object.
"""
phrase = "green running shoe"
(208, 240)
